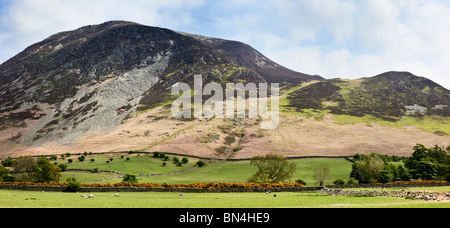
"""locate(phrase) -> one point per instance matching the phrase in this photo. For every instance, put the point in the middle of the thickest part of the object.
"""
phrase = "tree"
(45, 172)
(130, 178)
(438, 156)
(8, 162)
(426, 170)
(272, 169)
(24, 167)
(322, 174)
(3, 172)
(385, 176)
(367, 170)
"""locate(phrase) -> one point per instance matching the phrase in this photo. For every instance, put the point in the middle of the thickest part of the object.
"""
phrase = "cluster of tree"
(425, 163)
(30, 169)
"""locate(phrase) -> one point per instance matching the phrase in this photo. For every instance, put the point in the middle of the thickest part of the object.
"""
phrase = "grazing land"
(25, 199)
(215, 171)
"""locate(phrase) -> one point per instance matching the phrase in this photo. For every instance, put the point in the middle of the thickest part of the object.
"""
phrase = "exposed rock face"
(90, 79)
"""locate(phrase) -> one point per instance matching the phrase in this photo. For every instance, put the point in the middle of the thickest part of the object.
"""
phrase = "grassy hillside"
(396, 99)
(218, 171)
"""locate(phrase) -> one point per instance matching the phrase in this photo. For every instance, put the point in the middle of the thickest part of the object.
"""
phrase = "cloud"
(24, 22)
(366, 38)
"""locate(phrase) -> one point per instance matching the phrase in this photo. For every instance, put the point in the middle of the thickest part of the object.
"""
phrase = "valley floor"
(24, 199)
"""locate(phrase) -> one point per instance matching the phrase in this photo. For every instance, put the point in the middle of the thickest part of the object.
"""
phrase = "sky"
(332, 38)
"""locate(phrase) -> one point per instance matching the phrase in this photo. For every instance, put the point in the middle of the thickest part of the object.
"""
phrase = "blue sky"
(332, 38)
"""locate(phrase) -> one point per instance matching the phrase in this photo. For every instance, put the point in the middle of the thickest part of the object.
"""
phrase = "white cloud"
(25, 22)
(375, 36)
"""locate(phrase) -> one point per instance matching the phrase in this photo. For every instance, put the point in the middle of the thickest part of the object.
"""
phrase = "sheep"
(91, 197)
(275, 195)
(116, 195)
(181, 195)
(83, 196)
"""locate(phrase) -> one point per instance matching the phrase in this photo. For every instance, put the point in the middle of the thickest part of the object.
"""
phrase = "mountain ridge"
(59, 93)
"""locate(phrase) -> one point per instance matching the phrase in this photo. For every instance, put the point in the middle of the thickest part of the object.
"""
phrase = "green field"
(24, 199)
(215, 171)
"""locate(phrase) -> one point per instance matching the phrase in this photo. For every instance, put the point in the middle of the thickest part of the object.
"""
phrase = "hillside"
(106, 88)
(389, 95)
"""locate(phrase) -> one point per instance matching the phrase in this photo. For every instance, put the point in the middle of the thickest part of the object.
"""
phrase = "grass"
(213, 172)
(427, 123)
(217, 171)
(24, 199)
(144, 164)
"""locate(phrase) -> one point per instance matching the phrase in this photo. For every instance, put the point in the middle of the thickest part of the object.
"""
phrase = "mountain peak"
(92, 78)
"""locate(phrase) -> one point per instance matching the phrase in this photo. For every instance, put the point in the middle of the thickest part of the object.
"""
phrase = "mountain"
(106, 88)
(390, 95)
(91, 78)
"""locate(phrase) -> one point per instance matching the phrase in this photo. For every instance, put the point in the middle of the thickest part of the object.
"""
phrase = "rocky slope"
(106, 88)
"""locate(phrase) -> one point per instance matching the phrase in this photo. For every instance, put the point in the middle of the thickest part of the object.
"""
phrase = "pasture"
(214, 171)
(25, 199)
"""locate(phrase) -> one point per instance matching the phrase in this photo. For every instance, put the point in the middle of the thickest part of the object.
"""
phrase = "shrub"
(8, 162)
(301, 181)
(185, 160)
(72, 185)
(70, 160)
(352, 181)
(156, 154)
(130, 178)
(81, 159)
(63, 167)
(53, 158)
(385, 176)
(200, 163)
(339, 182)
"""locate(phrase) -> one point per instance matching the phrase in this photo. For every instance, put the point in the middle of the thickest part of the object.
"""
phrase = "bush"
(8, 162)
(156, 154)
(130, 178)
(385, 176)
(301, 181)
(185, 160)
(201, 163)
(352, 181)
(339, 182)
(81, 159)
(63, 167)
(72, 185)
